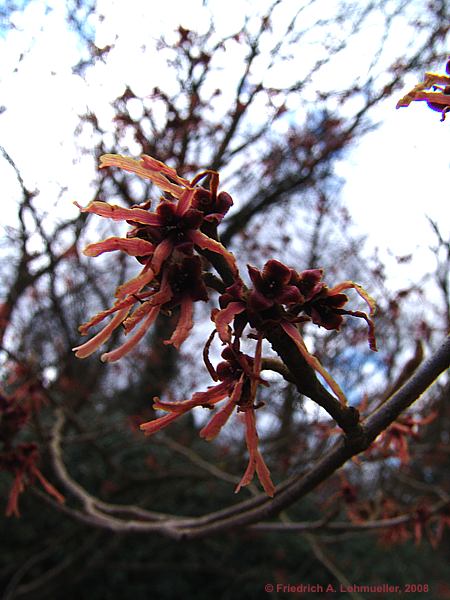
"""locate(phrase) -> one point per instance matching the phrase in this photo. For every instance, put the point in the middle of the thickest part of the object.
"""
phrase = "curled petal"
(223, 317)
(132, 246)
(118, 213)
(176, 407)
(184, 324)
(185, 201)
(137, 315)
(157, 424)
(135, 285)
(264, 475)
(148, 168)
(133, 340)
(418, 94)
(206, 243)
(247, 476)
(208, 363)
(162, 253)
(256, 462)
(213, 394)
(156, 299)
(127, 302)
(165, 292)
(156, 165)
(312, 361)
(212, 429)
(346, 285)
(371, 333)
(214, 179)
(102, 336)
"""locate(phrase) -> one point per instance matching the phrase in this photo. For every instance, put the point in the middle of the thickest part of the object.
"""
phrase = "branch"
(326, 561)
(251, 511)
(425, 375)
(342, 525)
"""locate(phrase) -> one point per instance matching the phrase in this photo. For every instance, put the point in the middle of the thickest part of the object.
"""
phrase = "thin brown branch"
(258, 508)
(326, 561)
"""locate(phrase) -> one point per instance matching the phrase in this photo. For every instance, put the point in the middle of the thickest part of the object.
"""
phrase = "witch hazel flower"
(165, 242)
(238, 376)
(284, 297)
(434, 90)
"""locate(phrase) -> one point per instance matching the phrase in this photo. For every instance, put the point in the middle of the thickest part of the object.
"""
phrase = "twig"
(251, 511)
(322, 557)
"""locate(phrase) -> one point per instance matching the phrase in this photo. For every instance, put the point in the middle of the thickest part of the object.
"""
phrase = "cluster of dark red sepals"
(282, 295)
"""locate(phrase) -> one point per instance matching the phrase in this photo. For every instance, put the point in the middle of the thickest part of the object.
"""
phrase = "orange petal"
(118, 213)
(264, 475)
(162, 252)
(256, 462)
(185, 201)
(137, 315)
(128, 302)
(135, 285)
(212, 429)
(184, 324)
(312, 361)
(147, 167)
(223, 317)
(132, 246)
(133, 340)
(346, 285)
(158, 424)
(206, 243)
(156, 165)
(214, 394)
(91, 346)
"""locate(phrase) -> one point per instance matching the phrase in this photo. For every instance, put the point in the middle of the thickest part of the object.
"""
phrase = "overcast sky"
(394, 178)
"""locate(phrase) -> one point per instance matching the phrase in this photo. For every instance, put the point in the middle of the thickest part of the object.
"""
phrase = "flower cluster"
(169, 243)
(238, 375)
(19, 459)
(284, 297)
(164, 242)
(434, 90)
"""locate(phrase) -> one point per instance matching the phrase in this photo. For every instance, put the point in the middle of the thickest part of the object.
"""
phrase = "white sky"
(396, 176)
